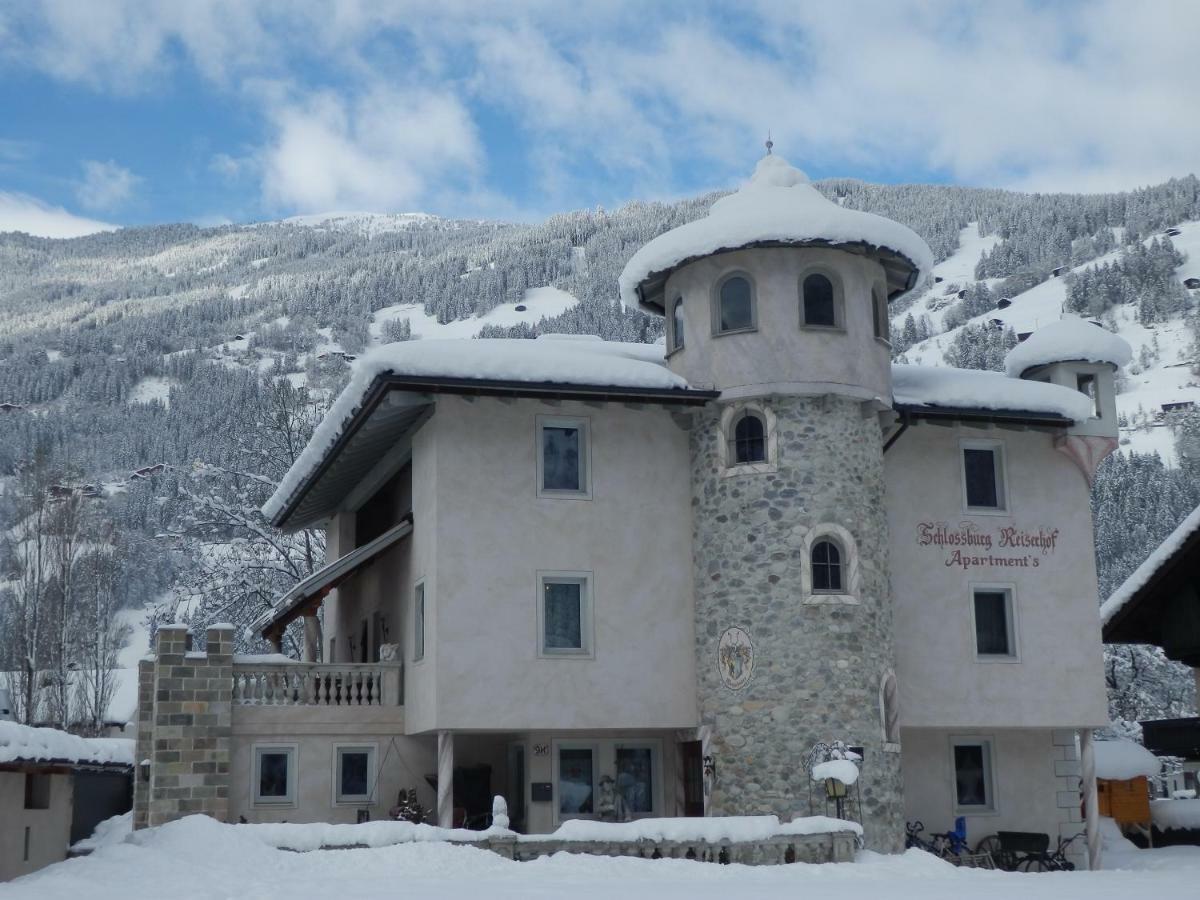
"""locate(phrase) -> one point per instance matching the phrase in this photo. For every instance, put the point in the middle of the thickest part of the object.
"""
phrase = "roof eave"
(1027, 418)
(1109, 630)
(480, 387)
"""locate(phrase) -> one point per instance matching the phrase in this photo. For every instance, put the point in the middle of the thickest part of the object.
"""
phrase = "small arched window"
(826, 567)
(677, 324)
(820, 305)
(748, 439)
(735, 304)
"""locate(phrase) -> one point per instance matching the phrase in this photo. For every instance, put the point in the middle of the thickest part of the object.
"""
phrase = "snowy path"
(198, 858)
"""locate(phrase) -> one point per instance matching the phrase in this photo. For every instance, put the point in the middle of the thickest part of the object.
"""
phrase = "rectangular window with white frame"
(274, 775)
(984, 484)
(974, 782)
(353, 773)
(565, 614)
(994, 615)
(563, 457)
(419, 621)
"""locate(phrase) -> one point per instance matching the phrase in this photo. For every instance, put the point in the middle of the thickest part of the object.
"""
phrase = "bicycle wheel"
(991, 846)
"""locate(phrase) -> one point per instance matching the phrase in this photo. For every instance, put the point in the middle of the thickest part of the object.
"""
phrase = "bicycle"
(1051, 862)
(1021, 851)
(948, 845)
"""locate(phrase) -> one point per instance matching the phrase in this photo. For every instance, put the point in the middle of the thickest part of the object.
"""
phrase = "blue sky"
(132, 112)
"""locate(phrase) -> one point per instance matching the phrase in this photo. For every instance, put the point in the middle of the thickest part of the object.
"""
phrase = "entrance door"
(692, 757)
(516, 786)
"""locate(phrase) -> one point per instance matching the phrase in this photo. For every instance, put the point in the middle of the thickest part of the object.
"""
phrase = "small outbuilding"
(1123, 773)
(1004, 303)
(1172, 232)
(1059, 270)
(1192, 284)
(55, 787)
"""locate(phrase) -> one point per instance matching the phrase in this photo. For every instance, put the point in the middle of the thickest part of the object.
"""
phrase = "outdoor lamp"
(835, 789)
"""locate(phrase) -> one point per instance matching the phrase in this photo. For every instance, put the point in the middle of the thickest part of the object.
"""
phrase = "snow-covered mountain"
(1165, 357)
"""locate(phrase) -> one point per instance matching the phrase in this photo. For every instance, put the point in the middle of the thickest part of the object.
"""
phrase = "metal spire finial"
(770, 143)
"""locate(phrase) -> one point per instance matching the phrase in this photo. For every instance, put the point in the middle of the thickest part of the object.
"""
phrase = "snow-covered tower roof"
(777, 207)
(1070, 339)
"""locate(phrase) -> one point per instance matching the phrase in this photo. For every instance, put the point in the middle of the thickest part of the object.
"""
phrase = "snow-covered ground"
(367, 223)
(1167, 380)
(151, 388)
(536, 304)
(200, 859)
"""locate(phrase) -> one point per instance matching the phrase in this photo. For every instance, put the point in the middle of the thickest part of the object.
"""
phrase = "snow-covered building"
(54, 788)
(594, 577)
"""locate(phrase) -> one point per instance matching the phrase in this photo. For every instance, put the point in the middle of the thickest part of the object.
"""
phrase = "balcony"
(346, 686)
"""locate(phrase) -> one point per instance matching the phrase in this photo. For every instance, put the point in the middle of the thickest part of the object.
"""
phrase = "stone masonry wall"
(189, 727)
(817, 666)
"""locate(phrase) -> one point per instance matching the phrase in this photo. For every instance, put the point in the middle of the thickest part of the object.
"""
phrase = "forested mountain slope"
(212, 351)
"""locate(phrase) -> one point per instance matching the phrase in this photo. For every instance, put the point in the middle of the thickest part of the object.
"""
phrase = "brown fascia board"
(989, 416)
(483, 387)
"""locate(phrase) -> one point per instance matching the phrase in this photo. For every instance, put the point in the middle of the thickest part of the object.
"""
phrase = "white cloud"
(385, 150)
(20, 212)
(105, 185)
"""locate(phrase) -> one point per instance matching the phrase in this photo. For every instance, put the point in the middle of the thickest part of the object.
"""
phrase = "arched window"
(826, 567)
(735, 304)
(748, 439)
(820, 304)
(677, 324)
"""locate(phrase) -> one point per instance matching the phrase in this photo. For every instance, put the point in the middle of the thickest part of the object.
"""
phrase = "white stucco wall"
(1035, 777)
(493, 534)
(315, 732)
(1059, 680)
(50, 829)
(781, 356)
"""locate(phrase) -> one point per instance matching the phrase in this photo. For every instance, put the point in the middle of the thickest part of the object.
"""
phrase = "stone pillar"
(312, 636)
(1091, 801)
(144, 749)
(445, 779)
(191, 726)
(799, 667)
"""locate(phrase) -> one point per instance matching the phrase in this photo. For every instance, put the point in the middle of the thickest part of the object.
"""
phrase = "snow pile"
(383, 833)
(110, 831)
(607, 364)
(938, 386)
(25, 743)
(712, 829)
(1070, 339)
(1178, 814)
(778, 204)
(536, 304)
(1121, 760)
(1143, 573)
(843, 770)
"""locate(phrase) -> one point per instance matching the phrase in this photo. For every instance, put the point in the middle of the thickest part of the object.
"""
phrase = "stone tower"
(779, 300)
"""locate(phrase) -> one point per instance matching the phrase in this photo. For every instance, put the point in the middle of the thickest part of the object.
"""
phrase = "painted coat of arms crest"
(735, 658)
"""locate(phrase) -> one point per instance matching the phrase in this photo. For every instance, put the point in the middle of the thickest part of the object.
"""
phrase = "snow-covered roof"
(23, 743)
(561, 360)
(1147, 570)
(1070, 339)
(1121, 760)
(777, 205)
(941, 387)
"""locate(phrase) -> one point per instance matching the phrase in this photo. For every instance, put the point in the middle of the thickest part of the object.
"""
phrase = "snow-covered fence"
(289, 683)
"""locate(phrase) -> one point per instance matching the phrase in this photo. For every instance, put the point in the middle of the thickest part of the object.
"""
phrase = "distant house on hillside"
(1178, 406)
(1022, 336)
(1004, 303)
(17, 407)
(1058, 270)
(962, 295)
(148, 471)
(1172, 232)
(1192, 284)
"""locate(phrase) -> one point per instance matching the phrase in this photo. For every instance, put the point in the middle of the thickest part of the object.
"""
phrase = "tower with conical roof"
(779, 300)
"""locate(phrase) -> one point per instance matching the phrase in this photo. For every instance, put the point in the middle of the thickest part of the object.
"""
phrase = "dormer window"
(734, 308)
(748, 442)
(677, 336)
(819, 302)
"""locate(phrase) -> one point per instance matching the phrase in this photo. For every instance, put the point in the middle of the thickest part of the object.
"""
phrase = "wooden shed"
(1123, 772)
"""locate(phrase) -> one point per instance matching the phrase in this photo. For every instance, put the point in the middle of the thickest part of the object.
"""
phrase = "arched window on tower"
(677, 335)
(826, 567)
(748, 439)
(820, 303)
(735, 305)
